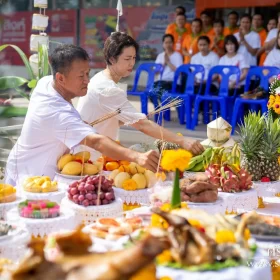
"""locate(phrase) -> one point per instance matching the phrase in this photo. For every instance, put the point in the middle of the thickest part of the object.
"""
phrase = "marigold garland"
(175, 159)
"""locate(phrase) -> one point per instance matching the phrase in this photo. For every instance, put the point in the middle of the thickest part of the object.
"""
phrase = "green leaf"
(22, 93)
(32, 84)
(12, 111)
(23, 57)
(176, 193)
(11, 82)
(43, 61)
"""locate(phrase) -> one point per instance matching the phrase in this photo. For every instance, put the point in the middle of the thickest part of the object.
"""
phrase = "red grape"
(105, 201)
(94, 196)
(108, 196)
(73, 191)
(83, 192)
(101, 195)
(74, 184)
(86, 203)
(76, 197)
(91, 202)
(70, 196)
(89, 187)
(81, 197)
(76, 201)
(89, 196)
(104, 188)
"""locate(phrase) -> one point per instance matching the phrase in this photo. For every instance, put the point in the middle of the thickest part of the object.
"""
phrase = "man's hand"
(149, 160)
(193, 146)
(241, 35)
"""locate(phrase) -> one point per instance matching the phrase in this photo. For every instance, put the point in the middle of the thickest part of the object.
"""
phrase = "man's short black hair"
(246, 16)
(207, 13)
(219, 21)
(168, 36)
(205, 38)
(182, 15)
(64, 55)
(182, 8)
(233, 13)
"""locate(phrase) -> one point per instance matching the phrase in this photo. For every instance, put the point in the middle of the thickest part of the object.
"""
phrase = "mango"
(113, 174)
(150, 178)
(110, 166)
(89, 169)
(124, 168)
(83, 156)
(64, 160)
(135, 168)
(140, 181)
(120, 178)
(72, 168)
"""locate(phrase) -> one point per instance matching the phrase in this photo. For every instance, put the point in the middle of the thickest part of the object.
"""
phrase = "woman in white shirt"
(233, 58)
(273, 58)
(171, 60)
(105, 96)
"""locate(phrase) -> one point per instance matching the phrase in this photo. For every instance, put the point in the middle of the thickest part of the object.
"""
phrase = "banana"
(208, 152)
(198, 167)
(194, 161)
(64, 160)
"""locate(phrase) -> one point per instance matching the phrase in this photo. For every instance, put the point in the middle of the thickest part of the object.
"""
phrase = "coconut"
(219, 131)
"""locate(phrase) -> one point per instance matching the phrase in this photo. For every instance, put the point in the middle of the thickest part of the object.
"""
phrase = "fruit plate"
(219, 200)
(11, 233)
(70, 177)
(273, 238)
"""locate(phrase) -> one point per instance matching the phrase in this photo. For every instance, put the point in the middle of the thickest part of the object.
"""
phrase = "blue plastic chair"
(264, 73)
(191, 70)
(223, 98)
(152, 69)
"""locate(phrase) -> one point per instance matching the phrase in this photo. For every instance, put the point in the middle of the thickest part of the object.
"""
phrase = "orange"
(110, 166)
(124, 168)
(124, 162)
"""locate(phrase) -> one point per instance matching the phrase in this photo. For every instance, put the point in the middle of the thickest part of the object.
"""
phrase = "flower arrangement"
(176, 161)
(273, 104)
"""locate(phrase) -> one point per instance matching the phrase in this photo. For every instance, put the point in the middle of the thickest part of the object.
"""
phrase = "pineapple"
(251, 133)
(270, 146)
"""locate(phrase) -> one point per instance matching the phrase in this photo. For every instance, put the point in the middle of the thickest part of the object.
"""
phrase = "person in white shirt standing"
(207, 59)
(233, 58)
(249, 41)
(171, 60)
(273, 58)
(53, 126)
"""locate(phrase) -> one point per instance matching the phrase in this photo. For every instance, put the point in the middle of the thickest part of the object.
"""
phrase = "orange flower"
(129, 185)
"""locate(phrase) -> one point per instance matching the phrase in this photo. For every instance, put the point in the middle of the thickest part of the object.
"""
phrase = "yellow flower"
(128, 207)
(225, 236)
(271, 101)
(247, 234)
(129, 185)
(164, 257)
(276, 107)
(175, 159)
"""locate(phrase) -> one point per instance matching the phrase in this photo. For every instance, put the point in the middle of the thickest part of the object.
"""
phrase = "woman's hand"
(193, 146)
(149, 160)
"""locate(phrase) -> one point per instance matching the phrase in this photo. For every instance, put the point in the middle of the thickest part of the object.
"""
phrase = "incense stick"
(106, 117)
(174, 103)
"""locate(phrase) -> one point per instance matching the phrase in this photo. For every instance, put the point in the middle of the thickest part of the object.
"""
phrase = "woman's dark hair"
(277, 44)
(181, 8)
(205, 38)
(115, 44)
(231, 39)
(233, 13)
(219, 21)
(197, 20)
(64, 55)
(168, 36)
(246, 16)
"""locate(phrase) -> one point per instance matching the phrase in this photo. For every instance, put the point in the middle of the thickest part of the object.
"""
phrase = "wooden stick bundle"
(106, 117)
(174, 103)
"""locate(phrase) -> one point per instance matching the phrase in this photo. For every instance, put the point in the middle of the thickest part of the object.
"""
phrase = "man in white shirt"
(207, 59)
(53, 126)
(249, 41)
(170, 59)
